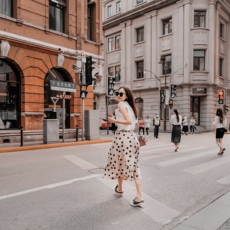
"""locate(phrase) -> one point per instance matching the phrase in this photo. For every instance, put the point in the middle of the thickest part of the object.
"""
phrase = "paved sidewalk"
(14, 147)
(215, 216)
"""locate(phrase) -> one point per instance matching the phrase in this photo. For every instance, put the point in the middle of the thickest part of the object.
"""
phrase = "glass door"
(195, 109)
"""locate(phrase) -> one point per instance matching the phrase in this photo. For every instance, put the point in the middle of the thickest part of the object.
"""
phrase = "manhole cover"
(97, 170)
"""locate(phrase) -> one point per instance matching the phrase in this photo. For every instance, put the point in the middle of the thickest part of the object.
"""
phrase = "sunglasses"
(119, 94)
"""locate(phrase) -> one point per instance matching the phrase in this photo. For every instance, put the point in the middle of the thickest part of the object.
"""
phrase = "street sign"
(63, 96)
(62, 86)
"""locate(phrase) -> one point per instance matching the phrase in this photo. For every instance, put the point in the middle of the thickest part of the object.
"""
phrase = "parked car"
(104, 123)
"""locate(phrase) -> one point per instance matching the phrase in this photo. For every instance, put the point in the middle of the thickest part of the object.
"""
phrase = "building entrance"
(195, 109)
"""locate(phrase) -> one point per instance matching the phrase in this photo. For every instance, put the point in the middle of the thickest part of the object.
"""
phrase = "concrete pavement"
(215, 216)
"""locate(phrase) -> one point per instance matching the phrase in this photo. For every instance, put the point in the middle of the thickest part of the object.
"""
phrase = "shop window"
(140, 34)
(139, 104)
(199, 60)
(140, 69)
(199, 18)
(167, 26)
(57, 15)
(6, 7)
(9, 96)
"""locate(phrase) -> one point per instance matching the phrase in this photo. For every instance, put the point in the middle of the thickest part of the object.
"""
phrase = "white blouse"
(173, 120)
(119, 116)
(218, 124)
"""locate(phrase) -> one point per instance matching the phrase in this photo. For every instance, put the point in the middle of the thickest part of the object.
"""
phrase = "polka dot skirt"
(123, 157)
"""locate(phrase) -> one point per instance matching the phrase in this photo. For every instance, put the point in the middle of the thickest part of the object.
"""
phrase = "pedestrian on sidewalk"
(185, 125)
(123, 156)
(147, 125)
(220, 123)
(156, 125)
(176, 121)
(141, 125)
(192, 125)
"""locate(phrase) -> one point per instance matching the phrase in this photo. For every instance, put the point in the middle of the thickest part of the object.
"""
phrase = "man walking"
(156, 125)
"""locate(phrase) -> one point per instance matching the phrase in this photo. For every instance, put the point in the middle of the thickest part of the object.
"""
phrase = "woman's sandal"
(222, 151)
(116, 190)
(176, 149)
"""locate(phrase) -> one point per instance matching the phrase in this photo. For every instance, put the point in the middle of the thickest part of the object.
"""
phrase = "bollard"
(21, 135)
(76, 133)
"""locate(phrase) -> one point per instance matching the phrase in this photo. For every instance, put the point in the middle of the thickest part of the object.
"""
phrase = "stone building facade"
(151, 46)
(41, 41)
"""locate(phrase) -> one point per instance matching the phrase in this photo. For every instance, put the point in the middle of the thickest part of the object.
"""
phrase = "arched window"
(58, 74)
(10, 112)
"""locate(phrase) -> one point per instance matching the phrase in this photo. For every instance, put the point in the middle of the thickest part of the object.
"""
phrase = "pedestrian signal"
(111, 83)
(226, 108)
(88, 70)
(221, 96)
(171, 103)
(173, 91)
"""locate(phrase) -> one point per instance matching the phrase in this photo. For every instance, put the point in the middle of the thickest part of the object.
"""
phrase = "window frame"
(140, 69)
(221, 65)
(168, 63)
(118, 7)
(110, 44)
(111, 73)
(53, 24)
(199, 59)
(140, 34)
(117, 39)
(118, 73)
(109, 11)
(10, 5)
(221, 30)
(199, 18)
(167, 21)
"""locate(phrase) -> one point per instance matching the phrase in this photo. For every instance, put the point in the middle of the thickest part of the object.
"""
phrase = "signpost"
(64, 87)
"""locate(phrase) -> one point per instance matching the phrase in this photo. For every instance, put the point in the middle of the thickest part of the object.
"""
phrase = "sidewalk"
(215, 216)
(14, 147)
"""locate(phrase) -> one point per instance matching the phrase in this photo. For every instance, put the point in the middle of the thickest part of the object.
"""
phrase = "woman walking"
(220, 123)
(176, 121)
(124, 153)
(147, 125)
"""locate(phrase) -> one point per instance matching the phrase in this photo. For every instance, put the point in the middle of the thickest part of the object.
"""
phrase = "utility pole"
(165, 68)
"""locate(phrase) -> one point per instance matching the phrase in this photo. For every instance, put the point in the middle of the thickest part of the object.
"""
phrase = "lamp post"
(159, 86)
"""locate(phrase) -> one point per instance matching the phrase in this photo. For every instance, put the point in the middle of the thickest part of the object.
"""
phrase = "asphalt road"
(63, 188)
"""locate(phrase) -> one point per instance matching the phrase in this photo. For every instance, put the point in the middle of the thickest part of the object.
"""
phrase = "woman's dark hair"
(219, 113)
(130, 99)
(177, 114)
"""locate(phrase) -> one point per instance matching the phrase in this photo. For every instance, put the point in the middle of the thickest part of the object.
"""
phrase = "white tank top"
(119, 116)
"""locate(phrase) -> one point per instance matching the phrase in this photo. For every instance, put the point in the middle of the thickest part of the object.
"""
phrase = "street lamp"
(159, 86)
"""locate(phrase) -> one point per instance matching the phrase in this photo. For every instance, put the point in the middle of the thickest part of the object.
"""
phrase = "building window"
(199, 60)
(221, 30)
(166, 64)
(110, 44)
(118, 73)
(110, 71)
(199, 18)
(117, 42)
(91, 21)
(139, 1)
(221, 67)
(57, 15)
(140, 34)
(167, 26)
(109, 11)
(140, 69)
(6, 7)
(118, 7)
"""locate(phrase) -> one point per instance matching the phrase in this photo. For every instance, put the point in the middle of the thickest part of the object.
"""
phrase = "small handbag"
(142, 141)
(225, 130)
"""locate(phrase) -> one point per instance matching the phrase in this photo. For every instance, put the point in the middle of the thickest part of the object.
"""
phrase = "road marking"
(79, 162)
(153, 208)
(186, 158)
(224, 180)
(171, 154)
(49, 186)
(208, 165)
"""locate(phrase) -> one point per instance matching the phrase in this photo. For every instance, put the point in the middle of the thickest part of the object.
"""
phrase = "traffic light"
(88, 70)
(226, 108)
(173, 91)
(221, 96)
(111, 83)
(171, 103)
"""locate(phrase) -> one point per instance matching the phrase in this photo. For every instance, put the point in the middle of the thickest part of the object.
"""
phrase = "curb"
(55, 145)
